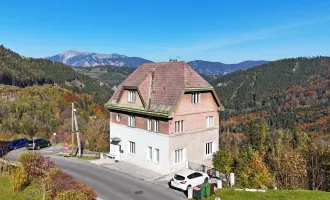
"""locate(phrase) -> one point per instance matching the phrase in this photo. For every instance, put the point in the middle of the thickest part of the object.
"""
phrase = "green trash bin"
(207, 190)
(197, 193)
(203, 190)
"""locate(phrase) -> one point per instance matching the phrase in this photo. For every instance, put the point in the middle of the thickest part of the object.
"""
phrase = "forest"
(40, 111)
(289, 92)
(262, 157)
(22, 71)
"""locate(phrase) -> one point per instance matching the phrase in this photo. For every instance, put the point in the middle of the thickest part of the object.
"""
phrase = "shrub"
(18, 179)
(58, 181)
(70, 195)
(5, 167)
(252, 171)
(34, 164)
(88, 192)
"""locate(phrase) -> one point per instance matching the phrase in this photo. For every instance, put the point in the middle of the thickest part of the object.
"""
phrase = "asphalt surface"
(108, 184)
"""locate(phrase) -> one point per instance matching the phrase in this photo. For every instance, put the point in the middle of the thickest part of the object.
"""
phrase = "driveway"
(109, 184)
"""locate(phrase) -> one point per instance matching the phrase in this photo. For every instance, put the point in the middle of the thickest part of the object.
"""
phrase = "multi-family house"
(163, 115)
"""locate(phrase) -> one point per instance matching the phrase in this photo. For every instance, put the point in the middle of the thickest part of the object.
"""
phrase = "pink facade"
(194, 115)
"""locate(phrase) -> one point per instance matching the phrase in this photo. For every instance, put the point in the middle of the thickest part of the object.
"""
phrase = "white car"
(188, 178)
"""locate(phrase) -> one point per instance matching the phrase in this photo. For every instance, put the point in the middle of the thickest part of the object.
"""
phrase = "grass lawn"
(8, 194)
(82, 157)
(86, 157)
(271, 195)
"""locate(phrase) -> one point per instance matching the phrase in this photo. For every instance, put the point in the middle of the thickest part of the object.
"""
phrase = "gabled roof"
(161, 85)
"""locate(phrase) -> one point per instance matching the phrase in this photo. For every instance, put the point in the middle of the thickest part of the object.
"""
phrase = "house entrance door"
(115, 148)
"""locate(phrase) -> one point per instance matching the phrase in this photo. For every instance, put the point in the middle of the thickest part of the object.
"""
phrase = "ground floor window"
(131, 147)
(209, 148)
(156, 156)
(149, 154)
(178, 156)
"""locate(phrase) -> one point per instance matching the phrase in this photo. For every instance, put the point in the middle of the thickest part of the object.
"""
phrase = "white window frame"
(131, 121)
(118, 118)
(149, 153)
(209, 148)
(179, 126)
(156, 157)
(149, 124)
(131, 148)
(179, 156)
(195, 97)
(131, 96)
(156, 126)
(209, 122)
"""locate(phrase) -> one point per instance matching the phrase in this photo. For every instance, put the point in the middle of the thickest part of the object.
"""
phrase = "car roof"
(18, 139)
(186, 172)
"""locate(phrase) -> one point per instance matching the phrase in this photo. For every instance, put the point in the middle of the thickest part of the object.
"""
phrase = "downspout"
(150, 88)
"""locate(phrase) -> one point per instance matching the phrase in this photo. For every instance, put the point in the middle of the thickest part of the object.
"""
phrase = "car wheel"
(48, 145)
(15, 148)
(206, 180)
(38, 147)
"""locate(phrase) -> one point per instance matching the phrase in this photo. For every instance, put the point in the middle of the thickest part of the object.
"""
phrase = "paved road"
(109, 185)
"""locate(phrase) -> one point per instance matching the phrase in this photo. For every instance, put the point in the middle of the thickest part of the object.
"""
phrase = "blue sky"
(218, 30)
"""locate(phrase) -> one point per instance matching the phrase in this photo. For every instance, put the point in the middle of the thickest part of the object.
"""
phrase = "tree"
(222, 162)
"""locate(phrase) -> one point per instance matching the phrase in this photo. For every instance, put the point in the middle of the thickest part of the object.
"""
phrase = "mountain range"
(85, 59)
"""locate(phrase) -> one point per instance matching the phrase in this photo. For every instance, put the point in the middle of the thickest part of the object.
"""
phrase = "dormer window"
(195, 97)
(131, 96)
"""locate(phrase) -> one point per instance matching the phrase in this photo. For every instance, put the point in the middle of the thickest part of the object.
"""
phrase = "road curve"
(109, 184)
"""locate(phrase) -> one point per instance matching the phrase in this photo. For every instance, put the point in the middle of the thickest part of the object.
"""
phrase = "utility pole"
(72, 132)
(77, 131)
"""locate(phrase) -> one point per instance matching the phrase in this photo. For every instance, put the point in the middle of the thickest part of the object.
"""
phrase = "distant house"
(163, 115)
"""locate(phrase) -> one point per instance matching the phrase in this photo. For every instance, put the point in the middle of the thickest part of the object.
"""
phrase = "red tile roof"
(165, 81)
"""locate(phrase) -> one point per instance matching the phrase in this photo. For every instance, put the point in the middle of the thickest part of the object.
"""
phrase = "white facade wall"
(194, 145)
(143, 139)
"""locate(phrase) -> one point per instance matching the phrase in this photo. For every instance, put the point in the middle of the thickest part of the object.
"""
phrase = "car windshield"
(179, 177)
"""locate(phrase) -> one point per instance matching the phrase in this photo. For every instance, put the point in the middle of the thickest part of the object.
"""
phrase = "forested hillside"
(286, 92)
(107, 75)
(20, 71)
(39, 111)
